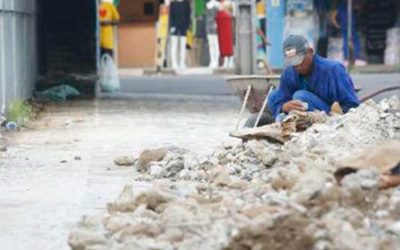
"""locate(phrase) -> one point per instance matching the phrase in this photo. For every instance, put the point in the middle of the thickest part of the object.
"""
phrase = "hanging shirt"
(179, 12)
(261, 49)
(225, 32)
(199, 7)
(328, 80)
(107, 13)
(260, 9)
(211, 24)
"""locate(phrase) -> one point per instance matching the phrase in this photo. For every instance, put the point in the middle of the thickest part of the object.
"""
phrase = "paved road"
(216, 85)
(180, 85)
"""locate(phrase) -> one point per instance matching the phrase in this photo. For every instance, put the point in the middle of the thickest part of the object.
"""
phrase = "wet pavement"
(62, 167)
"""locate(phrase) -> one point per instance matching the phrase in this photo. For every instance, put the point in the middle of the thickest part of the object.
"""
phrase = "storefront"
(137, 33)
(138, 41)
(376, 27)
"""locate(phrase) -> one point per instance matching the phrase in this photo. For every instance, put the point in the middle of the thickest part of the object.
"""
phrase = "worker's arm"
(343, 89)
(283, 94)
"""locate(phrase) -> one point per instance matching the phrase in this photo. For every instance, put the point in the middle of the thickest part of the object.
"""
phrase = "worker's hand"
(293, 105)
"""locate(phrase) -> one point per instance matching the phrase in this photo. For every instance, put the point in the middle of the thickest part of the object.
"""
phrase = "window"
(149, 9)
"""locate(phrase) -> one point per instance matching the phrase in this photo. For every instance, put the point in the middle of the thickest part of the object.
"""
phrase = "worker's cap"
(294, 49)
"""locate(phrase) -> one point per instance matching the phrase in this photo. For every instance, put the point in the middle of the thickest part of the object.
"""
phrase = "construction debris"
(295, 121)
(148, 156)
(263, 195)
(383, 159)
(124, 161)
(271, 132)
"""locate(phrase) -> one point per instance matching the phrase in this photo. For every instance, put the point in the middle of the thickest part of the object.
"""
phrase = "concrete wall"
(137, 34)
(136, 45)
(17, 50)
(68, 43)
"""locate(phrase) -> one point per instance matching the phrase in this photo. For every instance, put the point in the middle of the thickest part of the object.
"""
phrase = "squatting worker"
(311, 79)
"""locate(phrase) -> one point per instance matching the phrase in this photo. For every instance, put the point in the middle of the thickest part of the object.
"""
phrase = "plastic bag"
(58, 93)
(109, 79)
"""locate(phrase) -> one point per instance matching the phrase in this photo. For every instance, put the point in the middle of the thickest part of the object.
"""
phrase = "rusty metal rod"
(380, 91)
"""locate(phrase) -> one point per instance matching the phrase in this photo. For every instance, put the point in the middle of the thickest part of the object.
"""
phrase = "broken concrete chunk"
(125, 201)
(153, 199)
(148, 156)
(80, 239)
(128, 202)
(309, 186)
(258, 210)
(124, 161)
(174, 167)
(220, 177)
(383, 158)
(156, 171)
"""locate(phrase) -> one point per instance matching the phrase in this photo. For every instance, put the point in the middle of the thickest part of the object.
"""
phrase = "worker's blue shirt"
(328, 80)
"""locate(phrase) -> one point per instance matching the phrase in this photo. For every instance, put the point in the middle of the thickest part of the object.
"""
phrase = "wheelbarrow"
(254, 90)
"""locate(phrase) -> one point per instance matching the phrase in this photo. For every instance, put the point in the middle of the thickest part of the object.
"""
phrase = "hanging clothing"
(261, 49)
(179, 14)
(211, 24)
(199, 7)
(107, 13)
(225, 34)
(260, 9)
(200, 27)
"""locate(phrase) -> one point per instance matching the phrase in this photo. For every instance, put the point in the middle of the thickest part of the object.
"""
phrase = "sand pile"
(261, 195)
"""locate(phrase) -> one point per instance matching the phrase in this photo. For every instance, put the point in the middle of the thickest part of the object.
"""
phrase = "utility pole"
(245, 61)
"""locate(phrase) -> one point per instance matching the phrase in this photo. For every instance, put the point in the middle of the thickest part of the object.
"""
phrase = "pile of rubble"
(320, 190)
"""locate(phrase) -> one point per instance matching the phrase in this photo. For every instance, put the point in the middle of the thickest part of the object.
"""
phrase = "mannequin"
(179, 25)
(211, 28)
(225, 33)
(109, 16)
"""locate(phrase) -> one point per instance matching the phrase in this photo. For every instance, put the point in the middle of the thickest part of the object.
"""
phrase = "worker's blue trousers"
(314, 102)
